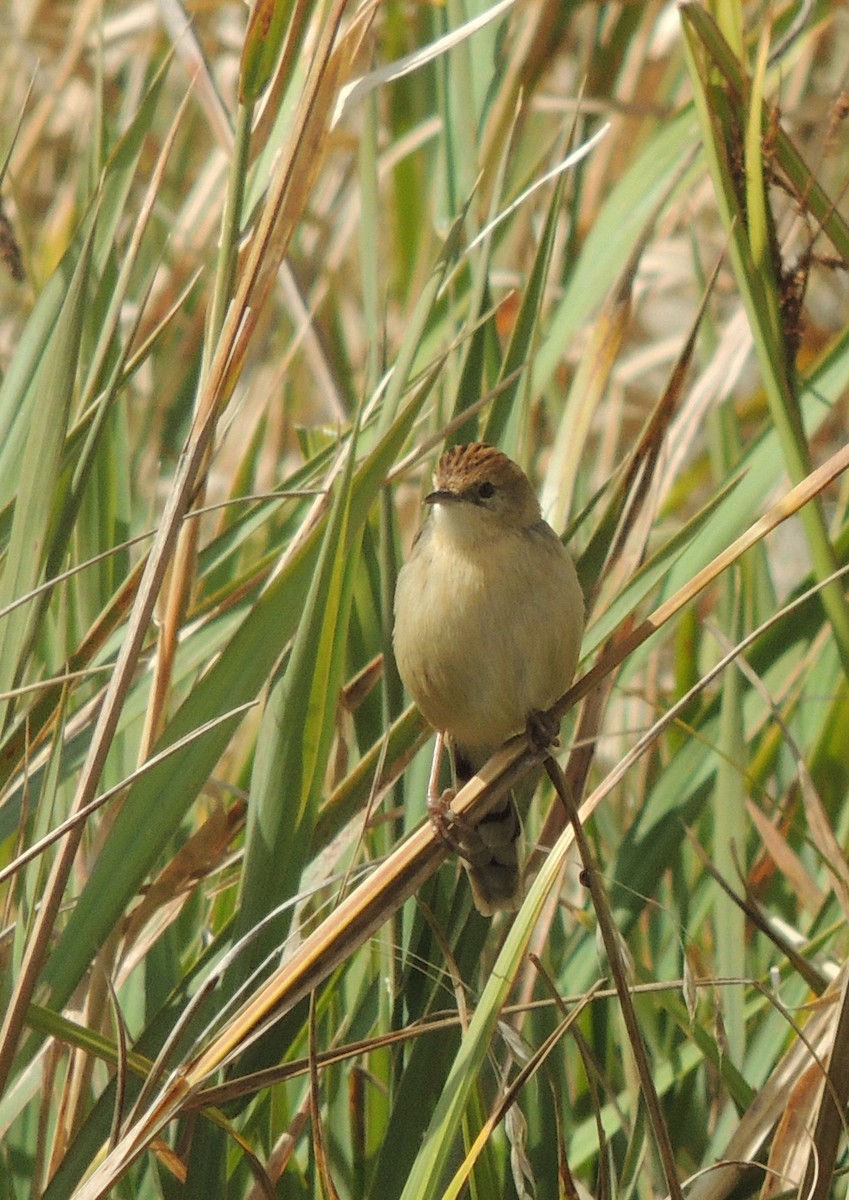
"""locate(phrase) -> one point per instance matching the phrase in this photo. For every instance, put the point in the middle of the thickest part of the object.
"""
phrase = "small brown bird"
(489, 617)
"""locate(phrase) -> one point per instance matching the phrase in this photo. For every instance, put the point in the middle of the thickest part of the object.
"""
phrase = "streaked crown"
(481, 475)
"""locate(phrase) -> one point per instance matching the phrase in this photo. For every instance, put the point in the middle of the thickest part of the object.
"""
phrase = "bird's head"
(478, 485)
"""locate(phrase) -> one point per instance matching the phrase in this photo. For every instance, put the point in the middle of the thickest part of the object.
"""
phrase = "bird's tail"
(492, 854)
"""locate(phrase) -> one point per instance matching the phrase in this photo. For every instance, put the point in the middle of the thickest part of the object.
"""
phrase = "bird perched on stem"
(489, 617)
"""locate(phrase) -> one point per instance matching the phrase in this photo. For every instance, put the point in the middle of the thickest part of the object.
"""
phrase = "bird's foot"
(542, 730)
(448, 825)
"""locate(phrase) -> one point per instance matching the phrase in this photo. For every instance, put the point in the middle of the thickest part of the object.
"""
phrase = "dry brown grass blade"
(318, 1141)
(629, 498)
(800, 964)
(577, 772)
(179, 880)
(788, 1152)
(119, 685)
(618, 969)
(585, 394)
(288, 197)
(514, 1091)
(24, 158)
(100, 992)
(21, 743)
(257, 1081)
(372, 902)
(180, 580)
(189, 52)
(382, 893)
(822, 834)
(641, 471)
(82, 814)
(120, 603)
(265, 253)
(357, 918)
(788, 863)
(107, 722)
(789, 504)
(181, 576)
(773, 1103)
(831, 1117)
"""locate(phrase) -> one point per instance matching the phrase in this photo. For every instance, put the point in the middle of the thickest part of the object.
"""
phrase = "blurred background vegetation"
(257, 272)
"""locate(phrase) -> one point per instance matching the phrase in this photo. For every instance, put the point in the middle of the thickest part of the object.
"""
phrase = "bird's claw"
(449, 826)
(542, 729)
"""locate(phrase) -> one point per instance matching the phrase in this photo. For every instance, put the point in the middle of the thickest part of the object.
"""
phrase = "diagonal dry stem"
(372, 903)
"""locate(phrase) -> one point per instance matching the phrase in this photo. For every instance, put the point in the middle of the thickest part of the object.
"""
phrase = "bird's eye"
(486, 490)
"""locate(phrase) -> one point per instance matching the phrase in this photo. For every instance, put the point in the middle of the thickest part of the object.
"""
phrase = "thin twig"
(610, 936)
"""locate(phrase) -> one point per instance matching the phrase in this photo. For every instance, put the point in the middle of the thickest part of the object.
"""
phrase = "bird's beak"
(442, 496)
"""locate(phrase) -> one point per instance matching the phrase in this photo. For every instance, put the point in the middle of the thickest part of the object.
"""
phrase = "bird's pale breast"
(485, 634)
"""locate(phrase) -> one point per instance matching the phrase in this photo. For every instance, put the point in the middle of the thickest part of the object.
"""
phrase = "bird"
(488, 622)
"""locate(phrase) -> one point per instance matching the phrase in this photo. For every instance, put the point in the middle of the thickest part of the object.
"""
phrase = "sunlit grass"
(243, 309)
